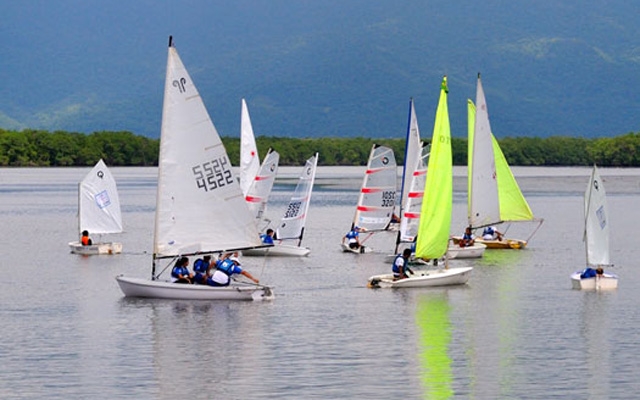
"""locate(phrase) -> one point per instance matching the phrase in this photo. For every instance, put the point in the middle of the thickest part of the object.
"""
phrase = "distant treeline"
(30, 148)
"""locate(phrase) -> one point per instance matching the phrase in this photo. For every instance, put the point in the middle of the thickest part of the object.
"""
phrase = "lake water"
(516, 331)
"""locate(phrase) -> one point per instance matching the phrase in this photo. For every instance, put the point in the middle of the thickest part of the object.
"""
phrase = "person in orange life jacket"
(401, 265)
(85, 239)
(202, 268)
(268, 237)
(227, 266)
(180, 273)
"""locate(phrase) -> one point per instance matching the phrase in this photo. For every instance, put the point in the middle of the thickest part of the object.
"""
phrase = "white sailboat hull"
(136, 287)
(421, 279)
(475, 251)
(363, 249)
(606, 282)
(96, 249)
(278, 250)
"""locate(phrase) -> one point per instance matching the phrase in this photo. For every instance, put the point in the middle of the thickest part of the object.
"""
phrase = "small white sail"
(378, 193)
(413, 152)
(260, 189)
(295, 216)
(99, 204)
(249, 159)
(200, 206)
(596, 222)
(483, 193)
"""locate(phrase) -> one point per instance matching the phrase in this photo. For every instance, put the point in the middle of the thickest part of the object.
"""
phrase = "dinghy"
(435, 216)
(494, 196)
(200, 208)
(596, 239)
(288, 241)
(98, 211)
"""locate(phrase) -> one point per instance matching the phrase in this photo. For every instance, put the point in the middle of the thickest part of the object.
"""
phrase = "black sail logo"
(180, 84)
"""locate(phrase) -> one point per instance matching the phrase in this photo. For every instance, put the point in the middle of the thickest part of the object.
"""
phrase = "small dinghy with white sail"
(197, 194)
(288, 236)
(98, 211)
(435, 222)
(596, 239)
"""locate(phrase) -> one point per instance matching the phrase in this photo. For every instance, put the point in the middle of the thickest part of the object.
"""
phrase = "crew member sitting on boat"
(352, 237)
(85, 239)
(201, 268)
(267, 238)
(592, 273)
(180, 273)
(227, 266)
(400, 265)
(491, 233)
(468, 239)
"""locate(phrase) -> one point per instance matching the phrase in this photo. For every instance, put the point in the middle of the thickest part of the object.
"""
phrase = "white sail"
(249, 160)
(596, 223)
(200, 206)
(483, 191)
(260, 189)
(410, 218)
(295, 216)
(99, 204)
(413, 152)
(377, 195)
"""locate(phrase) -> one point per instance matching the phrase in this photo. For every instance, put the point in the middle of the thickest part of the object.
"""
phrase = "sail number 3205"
(213, 174)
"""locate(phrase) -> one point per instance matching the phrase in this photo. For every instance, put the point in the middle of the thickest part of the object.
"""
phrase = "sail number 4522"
(213, 174)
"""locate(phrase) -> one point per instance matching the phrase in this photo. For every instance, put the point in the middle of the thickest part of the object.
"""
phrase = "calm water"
(517, 330)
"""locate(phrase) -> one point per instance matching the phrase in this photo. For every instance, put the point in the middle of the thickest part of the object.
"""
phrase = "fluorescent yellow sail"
(435, 216)
(513, 205)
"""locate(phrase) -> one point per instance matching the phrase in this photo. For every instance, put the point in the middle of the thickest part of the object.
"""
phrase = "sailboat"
(200, 208)
(292, 225)
(377, 195)
(435, 215)
(412, 192)
(596, 238)
(256, 180)
(494, 196)
(98, 211)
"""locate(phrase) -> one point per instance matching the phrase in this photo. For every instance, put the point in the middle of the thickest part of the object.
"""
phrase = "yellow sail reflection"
(434, 327)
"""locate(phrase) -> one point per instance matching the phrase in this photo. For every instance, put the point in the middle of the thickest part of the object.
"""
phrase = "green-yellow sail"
(435, 215)
(513, 205)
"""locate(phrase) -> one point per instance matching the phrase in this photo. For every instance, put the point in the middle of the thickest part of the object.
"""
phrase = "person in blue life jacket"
(491, 233)
(352, 238)
(267, 238)
(592, 273)
(180, 273)
(227, 266)
(400, 265)
(468, 239)
(202, 268)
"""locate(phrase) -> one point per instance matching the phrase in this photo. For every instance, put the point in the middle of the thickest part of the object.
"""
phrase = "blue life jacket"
(266, 239)
(588, 273)
(179, 270)
(200, 266)
(226, 266)
(488, 231)
(351, 235)
(394, 267)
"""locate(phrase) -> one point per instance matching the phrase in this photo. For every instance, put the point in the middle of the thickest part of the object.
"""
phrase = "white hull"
(429, 278)
(136, 287)
(279, 250)
(363, 249)
(606, 282)
(95, 249)
(475, 251)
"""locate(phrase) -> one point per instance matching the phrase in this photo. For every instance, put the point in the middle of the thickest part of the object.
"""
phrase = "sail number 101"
(213, 174)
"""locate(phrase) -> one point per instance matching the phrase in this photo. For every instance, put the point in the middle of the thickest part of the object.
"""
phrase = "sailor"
(491, 233)
(180, 273)
(267, 238)
(85, 239)
(201, 267)
(400, 265)
(352, 237)
(227, 266)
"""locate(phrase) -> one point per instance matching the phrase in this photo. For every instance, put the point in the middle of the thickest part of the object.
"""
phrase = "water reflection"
(595, 334)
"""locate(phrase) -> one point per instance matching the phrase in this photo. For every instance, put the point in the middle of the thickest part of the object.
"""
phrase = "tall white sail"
(295, 216)
(413, 152)
(260, 189)
(200, 206)
(378, 192)
(249, 159)
(596, 223)
(483, 190)
(99, 206)
(410, 218)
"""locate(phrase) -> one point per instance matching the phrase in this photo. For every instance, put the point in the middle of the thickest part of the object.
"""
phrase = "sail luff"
(435, 216)
(485, 209)
(200, 206)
